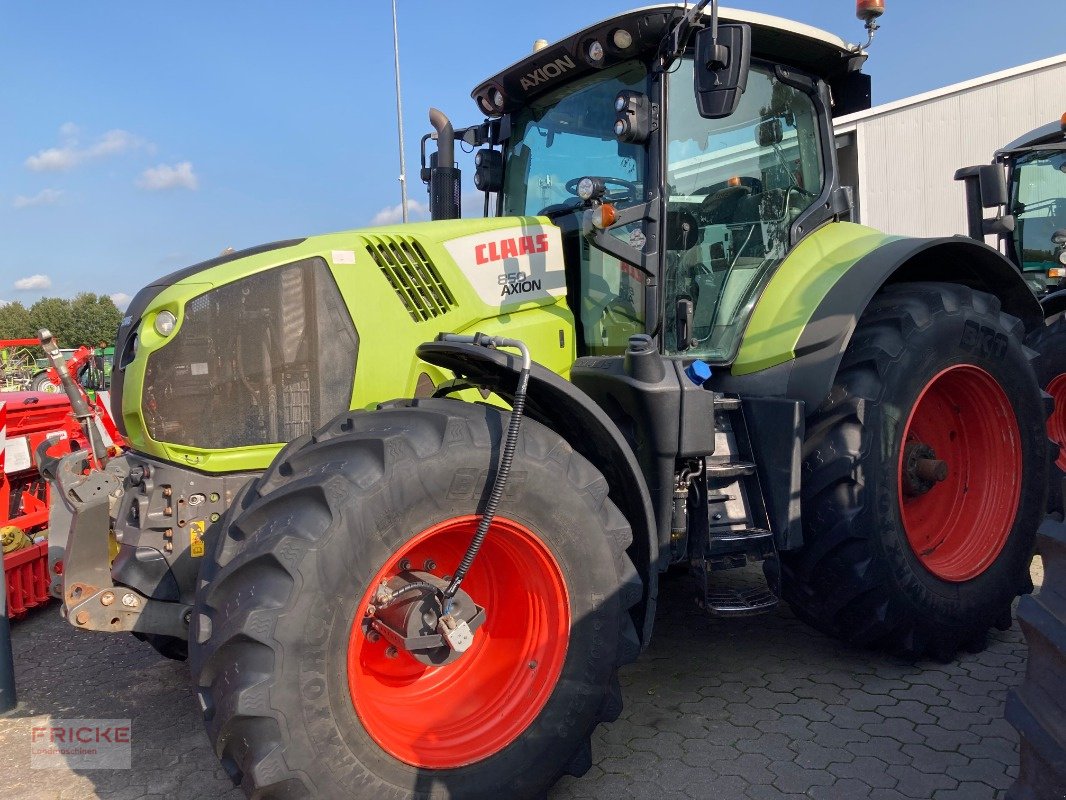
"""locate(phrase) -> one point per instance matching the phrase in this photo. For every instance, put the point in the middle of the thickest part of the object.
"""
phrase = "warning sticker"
(196, 538)
(343, 256)
(17, 455)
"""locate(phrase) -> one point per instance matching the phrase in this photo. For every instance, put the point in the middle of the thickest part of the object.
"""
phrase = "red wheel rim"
(959, 526)
(454, 715)
(1056, 424)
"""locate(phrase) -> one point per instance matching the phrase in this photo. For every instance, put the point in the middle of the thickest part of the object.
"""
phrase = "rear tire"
(40, 383)
(298, 703)
(929, 571)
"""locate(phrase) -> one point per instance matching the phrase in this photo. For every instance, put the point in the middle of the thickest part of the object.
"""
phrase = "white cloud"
(165, 176)
(121, 299)
(71, 153)
(45, 197)
(32, 282)
(390, 215)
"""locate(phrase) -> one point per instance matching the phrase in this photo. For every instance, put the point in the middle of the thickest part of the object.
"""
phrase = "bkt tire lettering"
(511, 248)
(983, 340)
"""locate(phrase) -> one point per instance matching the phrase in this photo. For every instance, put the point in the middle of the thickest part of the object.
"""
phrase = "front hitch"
(79, 551)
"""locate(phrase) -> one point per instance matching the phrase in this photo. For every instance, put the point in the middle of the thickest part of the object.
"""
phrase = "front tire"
(299, 703)
(922, 564)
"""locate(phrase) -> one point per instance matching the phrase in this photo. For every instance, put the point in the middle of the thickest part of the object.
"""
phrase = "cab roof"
(773, 39)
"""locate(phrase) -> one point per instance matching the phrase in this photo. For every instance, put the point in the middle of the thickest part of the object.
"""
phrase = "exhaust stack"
(444, 176)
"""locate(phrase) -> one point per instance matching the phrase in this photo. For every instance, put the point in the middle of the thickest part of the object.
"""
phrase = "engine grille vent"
(412, 275)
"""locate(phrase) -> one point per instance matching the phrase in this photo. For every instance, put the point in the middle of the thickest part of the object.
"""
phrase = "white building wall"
(906, 153)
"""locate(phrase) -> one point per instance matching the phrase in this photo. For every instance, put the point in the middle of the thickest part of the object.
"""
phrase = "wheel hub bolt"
(391, 651)
(922, 470)
(932, 469)
(429, 565)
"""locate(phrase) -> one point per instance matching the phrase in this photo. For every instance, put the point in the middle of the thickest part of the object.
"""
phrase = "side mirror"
(721, 69)
(769, 133)
(986, 187)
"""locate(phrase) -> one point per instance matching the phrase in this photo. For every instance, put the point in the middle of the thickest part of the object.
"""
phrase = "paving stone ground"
(752, 709)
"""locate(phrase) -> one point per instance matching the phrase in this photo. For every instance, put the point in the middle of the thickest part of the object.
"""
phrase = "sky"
(137, 138)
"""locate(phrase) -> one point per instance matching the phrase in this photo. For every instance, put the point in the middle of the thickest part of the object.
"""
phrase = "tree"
(94, 319)
(53, 313)
(15, 322)
(87, 319)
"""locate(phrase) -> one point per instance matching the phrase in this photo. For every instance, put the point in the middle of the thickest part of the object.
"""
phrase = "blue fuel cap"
(698, 372)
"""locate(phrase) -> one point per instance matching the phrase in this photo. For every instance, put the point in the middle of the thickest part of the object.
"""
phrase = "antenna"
(399, 114)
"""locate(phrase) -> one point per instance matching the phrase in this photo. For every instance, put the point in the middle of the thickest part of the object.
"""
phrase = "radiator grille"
(412, 275)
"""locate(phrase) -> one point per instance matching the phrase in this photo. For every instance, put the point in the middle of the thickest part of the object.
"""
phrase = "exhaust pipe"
(444, 177)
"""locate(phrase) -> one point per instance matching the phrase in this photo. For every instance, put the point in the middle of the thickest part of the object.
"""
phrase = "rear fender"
(829, 318)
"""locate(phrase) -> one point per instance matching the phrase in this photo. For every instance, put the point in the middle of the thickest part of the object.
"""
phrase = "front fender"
(561, 406)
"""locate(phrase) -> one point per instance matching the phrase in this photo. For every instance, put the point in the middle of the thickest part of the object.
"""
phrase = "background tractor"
(665, 344)
(1026, 185)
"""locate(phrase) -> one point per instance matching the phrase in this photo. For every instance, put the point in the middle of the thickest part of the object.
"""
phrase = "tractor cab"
(675, 208)
(1026, 186)
(1036, 180)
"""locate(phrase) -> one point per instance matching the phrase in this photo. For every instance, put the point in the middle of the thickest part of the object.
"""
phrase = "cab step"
(731, 601)
(729, 470)
(756, 542)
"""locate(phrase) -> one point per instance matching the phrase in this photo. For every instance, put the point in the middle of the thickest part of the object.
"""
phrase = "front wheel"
(924, 477)
(302, 699)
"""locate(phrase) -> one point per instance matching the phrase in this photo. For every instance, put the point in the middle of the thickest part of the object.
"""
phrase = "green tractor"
(1026, 186)
(665, 345)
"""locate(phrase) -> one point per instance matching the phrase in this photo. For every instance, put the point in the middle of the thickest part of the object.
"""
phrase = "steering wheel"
(631, 189)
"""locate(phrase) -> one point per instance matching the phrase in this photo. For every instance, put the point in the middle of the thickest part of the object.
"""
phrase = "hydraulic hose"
(506, 457)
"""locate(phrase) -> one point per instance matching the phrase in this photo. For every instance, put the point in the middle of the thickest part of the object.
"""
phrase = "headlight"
(586, 187)
(595, 52)
(164, 323)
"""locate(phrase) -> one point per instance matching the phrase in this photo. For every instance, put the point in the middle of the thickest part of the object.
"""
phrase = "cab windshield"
(557, 140)
(566, 135)
(1038, 202)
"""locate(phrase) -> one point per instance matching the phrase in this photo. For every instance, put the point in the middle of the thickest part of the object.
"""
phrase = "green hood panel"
(797, 288)
(401, 285)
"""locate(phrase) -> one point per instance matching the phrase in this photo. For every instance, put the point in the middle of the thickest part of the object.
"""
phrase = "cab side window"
(735, 186)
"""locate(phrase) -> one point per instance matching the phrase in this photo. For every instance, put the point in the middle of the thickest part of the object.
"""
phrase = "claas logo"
(511, 248)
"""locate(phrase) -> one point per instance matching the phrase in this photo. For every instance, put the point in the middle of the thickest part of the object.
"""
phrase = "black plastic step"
(730, 601)
(729, 469)
(742, 541)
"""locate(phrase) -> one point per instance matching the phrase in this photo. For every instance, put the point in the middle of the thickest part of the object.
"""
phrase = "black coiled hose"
(493, 503)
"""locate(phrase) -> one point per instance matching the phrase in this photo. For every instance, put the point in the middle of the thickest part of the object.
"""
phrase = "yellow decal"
(196, 538)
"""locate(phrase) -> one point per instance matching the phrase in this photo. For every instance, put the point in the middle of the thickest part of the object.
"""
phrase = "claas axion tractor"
(402, 495)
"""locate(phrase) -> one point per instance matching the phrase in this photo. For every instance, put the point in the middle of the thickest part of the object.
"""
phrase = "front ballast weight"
(429, 617)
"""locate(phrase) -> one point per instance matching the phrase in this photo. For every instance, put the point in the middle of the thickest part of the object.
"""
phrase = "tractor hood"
(220, 363)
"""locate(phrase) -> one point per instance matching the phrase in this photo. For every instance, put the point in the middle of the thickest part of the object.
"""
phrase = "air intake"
(408, 269)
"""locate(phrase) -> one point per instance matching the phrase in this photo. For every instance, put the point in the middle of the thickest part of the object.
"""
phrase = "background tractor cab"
(1026, 185)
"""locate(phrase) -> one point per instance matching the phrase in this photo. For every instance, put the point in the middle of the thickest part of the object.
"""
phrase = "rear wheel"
(40, 383)
(924, 477)
(301, 701)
